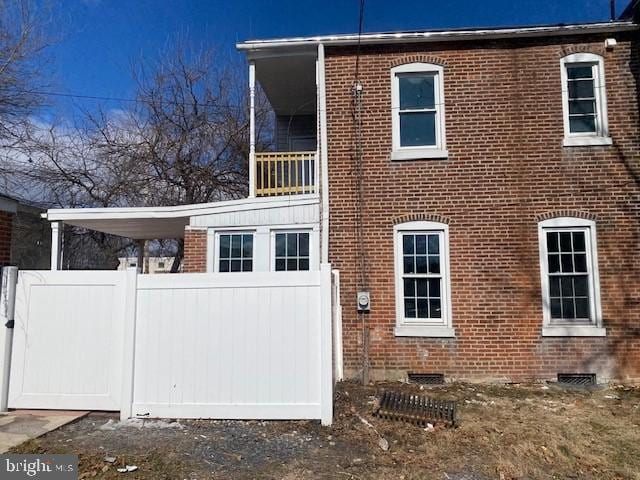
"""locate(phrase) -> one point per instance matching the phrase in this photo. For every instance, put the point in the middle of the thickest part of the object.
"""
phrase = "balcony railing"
(285, 173)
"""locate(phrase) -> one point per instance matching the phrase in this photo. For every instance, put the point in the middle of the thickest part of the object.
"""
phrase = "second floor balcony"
(289, 83)
(285, 173)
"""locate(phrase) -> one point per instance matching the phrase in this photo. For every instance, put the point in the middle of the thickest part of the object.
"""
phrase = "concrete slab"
(18, 426)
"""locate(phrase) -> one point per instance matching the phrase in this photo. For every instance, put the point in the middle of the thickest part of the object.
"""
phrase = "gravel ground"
(505, 432)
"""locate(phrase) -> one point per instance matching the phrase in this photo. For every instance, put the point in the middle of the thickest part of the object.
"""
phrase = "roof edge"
(177, 211)
(441, 35)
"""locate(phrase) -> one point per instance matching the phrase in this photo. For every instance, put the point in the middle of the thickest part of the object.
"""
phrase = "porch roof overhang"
(147, 223)
(254, 47)
(288, 80)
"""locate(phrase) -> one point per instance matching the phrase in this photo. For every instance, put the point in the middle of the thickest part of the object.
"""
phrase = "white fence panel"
(238, 345)
(68, 340)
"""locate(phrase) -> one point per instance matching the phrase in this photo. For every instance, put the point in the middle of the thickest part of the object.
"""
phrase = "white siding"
(261, 215)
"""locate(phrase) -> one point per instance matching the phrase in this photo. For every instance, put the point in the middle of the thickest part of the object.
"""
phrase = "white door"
(68, 340)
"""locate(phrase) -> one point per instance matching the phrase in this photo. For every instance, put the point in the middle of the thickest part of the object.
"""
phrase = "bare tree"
(188, 137)
(21, 45)
(186, 140)
(189, 129)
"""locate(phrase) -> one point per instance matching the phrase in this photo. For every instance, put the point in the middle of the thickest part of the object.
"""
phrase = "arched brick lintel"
(569, 49)
(565, 213)
(420, 217)
(417, 58)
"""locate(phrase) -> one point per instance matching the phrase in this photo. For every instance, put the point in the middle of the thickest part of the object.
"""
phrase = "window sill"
(587, 141)
(574, 331)
(424, 331)
(419, 154)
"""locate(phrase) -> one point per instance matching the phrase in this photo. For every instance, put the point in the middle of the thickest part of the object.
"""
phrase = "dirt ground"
(505, 432)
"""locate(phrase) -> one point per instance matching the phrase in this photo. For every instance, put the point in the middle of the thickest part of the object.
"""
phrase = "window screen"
(417, 109)
(422, 277)
(292, 251)
(236, 252)
(568, 275)
(582, 98)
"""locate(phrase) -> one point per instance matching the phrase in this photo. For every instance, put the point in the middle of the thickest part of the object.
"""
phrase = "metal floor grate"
(426, 378)
(577, 379)
(415, 409)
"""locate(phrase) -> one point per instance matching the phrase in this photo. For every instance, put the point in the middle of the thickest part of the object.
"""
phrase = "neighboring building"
(481, 185)
(24, 236)
(151, 264)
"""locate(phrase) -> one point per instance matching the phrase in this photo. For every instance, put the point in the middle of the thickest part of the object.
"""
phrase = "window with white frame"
(291, 251)
(584, 100)
(235, 252)
(417, 104)
(570, 283)
(423, 305)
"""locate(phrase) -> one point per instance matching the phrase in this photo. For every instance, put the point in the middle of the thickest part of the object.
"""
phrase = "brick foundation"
(195, 251)
(506, 170)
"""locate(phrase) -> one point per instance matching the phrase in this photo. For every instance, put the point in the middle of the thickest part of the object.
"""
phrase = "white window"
(584, 100)
(423, 304)
(417, 105)
(291, 251)
(570, 282)
(235, 252)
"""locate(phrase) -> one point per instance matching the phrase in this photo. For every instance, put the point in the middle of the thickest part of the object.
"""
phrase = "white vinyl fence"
(237, 346)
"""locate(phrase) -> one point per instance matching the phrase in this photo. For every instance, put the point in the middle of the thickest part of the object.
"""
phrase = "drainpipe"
(324, 155)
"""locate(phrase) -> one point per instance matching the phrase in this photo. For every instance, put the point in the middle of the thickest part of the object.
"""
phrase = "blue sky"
(96, 41)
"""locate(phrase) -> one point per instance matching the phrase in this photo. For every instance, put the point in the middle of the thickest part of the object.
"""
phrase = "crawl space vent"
(427, 378)
(577, 379)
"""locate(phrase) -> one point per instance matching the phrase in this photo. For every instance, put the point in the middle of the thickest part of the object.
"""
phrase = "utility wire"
(357, 118)
(360, 25)
(129, 100)
(363, 267)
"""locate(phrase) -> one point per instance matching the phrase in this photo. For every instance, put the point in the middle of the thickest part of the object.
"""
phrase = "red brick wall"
(506, 168)
(6, 222)
(195, 251)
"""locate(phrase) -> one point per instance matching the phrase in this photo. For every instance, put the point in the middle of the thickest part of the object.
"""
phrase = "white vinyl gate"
(68, 340)
(237, 346)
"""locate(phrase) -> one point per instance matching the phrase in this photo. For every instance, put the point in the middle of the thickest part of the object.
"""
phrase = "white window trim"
(601, 137)
(313, 257)
(213, 250)
(549, 329)
(413, 328)
(412, 153)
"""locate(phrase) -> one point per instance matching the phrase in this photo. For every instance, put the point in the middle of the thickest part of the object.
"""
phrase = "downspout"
(324, 156)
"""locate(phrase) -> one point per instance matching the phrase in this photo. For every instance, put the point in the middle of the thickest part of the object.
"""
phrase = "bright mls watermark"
(50, 467)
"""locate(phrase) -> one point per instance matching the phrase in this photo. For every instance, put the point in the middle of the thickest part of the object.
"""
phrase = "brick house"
(488, 158)
(515, 176)
(482, 186)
